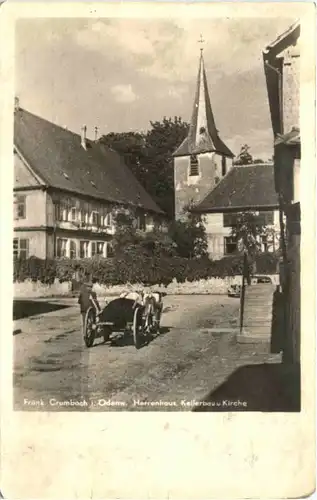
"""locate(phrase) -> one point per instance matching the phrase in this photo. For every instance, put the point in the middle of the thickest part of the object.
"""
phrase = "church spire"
(203, 135)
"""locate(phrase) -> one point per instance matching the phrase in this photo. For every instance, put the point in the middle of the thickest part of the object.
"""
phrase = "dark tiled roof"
(244, 187)
(56, 155)
(209, 140)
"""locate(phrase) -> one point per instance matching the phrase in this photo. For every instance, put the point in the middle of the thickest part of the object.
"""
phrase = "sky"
(120, 74)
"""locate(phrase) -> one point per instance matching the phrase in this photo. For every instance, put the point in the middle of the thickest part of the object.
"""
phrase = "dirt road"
(54, 371)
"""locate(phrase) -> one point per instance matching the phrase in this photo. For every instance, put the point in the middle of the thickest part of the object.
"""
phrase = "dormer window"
(194, 167)
(202, 130)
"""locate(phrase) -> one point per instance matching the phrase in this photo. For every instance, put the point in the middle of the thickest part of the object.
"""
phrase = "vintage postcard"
(158, 216)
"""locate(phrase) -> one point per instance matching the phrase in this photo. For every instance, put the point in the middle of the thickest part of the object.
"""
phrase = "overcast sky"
(121, 74)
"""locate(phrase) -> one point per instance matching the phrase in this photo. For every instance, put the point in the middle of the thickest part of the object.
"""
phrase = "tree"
(161, 141)
(132, 147)
(149, 156)
(189, 235)
(125, 233)
(247, 231)
(244, 157)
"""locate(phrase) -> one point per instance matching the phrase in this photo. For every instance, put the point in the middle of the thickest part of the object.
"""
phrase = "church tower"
(202, 159)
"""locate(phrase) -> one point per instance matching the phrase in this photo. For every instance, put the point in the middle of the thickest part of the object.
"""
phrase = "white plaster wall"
(35, 209)
(216, 234)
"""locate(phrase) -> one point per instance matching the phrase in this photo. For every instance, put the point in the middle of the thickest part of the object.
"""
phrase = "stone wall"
(212, 286)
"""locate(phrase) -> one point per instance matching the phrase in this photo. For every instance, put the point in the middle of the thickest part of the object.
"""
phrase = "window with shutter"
(23, 248)
(230, 245)
(20, 207)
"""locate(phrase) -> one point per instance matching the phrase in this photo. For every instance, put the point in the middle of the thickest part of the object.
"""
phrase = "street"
(195, 352)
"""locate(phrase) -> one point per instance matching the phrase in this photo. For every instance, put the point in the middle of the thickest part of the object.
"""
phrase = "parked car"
(263, 279)
(234, 291)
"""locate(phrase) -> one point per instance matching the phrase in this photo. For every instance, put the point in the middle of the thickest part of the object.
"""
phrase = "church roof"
(203, 135)
(246, 187)
(58, 158)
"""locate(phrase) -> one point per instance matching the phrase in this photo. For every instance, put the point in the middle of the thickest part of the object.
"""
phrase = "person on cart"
(87, 298)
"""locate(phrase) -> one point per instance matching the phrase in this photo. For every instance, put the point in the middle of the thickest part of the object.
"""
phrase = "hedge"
(136, 269)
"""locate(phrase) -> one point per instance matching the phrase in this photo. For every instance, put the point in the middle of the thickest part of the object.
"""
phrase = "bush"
(134, 266)
(266, 263)
(34, 269)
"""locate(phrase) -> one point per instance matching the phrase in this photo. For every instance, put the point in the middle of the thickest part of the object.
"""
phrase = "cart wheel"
(89, 333)
(137, 327)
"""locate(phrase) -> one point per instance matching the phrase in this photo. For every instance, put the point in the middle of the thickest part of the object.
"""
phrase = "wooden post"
(244, 276)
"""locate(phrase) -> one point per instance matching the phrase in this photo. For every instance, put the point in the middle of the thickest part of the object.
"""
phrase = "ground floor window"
(61, 247)
(265, 245)
(109, 249)
(20, 248)
(100, 247)
(72, 249)
(230, 245)
(83, 249)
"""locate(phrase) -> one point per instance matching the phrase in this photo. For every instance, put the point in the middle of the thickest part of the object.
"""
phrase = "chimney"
(83, 136)
(16, 104)
(96, 133)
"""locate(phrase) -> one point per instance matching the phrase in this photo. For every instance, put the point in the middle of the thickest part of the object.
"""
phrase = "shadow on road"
(26, 308)
(126, 339)
(264, 388)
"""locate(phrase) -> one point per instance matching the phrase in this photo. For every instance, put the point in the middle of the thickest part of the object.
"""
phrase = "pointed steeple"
(203, 135)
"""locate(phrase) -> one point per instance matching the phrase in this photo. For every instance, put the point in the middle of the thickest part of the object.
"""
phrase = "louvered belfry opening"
(194, 166)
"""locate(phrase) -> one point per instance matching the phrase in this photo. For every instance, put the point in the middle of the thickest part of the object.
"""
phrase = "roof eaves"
(241, 208)
(103, 199)
(292, 32)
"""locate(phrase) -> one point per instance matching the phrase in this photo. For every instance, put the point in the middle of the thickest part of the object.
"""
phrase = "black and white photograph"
(158, 234)
(156, 214)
